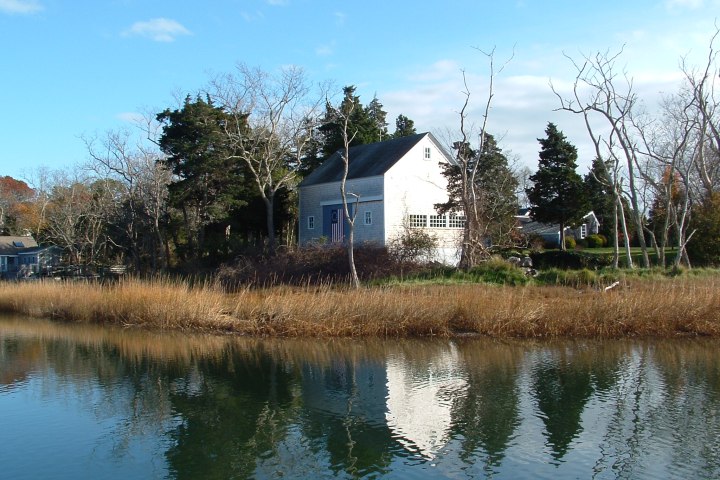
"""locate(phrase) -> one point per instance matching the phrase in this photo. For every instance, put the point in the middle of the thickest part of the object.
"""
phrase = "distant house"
(395, 183)
(550, 233)
(21, 256)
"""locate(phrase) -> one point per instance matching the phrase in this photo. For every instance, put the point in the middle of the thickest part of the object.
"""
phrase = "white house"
(394, 185)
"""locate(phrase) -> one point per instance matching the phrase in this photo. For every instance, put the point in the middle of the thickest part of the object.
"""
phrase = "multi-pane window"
(368, 218)
(417, 221)
(583, 230)
(311, 222)
(438, 221)
(427, 153)
(456, 221)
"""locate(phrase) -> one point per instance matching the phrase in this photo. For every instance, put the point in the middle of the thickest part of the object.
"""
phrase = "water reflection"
(123, 403)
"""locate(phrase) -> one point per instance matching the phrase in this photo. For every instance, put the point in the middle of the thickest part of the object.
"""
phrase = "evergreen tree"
(704, 248)
(495, 186)
(378, 123)
(365, 125)
(600, 196)
(404, 127)
(557, 194)
(208, 183)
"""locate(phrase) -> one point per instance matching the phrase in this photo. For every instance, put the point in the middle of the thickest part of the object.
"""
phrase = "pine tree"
(404, 127)
(378, 123)
(365, 125)
(208, 183)
(557, 194)
(495, 201)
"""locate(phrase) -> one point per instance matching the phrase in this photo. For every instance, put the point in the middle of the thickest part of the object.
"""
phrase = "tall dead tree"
(702, 87)
(342, 115)
(473, 247)
(596, 95)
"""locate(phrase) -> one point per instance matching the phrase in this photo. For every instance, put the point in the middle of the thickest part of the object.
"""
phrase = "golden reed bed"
(665, 308)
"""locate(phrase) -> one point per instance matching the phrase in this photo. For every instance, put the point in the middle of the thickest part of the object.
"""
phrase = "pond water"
(92, 402)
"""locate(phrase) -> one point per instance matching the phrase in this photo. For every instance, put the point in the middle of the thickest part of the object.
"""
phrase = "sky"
(73, 69)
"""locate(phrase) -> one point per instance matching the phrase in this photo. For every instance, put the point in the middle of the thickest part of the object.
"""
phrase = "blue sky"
(79, 67)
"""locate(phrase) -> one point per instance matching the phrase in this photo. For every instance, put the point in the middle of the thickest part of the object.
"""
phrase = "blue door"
(334, 223)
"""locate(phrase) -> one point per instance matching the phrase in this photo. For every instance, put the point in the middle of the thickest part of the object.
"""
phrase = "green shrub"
(570, 243)
(595, 241)
(413, 246)
(497, 270)
(571, 260)
(556, 259)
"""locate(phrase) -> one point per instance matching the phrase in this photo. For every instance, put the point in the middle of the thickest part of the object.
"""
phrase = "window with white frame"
(456, 221)
(368, 218)
(417, 221)
(583, 230)
(427, 153)
(438, 221)
(311, 223)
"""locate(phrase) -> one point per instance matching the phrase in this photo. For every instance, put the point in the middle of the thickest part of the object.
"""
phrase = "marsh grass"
(667, 307)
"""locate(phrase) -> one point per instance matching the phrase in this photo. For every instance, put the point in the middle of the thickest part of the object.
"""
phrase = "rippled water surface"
(88, 402)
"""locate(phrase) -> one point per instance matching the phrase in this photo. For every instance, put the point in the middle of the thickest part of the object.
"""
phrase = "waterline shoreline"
(683, 306)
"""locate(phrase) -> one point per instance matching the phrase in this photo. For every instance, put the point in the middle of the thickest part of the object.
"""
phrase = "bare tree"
(77, 217)
(671, 152)
(473, 248)
(619, 112)
(701, 88)
(41, 181)
(273, 121)
(342, 115)
(135, 169)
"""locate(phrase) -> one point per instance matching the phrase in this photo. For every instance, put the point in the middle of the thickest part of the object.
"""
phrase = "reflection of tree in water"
(690, 407)
(225, 407)
(92, 375)
(563, 382)
(233, 413)
(662, 411)
(488, 415)
(345, 415)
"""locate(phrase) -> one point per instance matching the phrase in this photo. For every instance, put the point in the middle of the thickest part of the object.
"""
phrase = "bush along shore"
(653, 305)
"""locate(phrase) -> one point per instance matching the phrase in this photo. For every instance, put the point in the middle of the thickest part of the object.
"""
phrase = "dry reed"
(680, 306)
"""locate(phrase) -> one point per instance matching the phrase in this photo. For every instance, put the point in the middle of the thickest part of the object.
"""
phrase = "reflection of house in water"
(376, 407)
(420, 399)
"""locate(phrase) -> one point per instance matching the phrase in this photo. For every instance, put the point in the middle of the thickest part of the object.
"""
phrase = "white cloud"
(20, 6)
(158, 29)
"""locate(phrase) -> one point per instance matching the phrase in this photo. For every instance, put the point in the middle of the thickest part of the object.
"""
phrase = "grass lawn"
(635, 253)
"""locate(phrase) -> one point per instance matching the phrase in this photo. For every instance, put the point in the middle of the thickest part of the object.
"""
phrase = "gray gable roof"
(369, 160)
(12, 245)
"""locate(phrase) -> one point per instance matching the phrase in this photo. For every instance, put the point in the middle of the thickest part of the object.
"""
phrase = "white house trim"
(352, 200)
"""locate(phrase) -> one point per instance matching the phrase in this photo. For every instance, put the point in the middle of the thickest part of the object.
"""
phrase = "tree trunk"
(269, 201)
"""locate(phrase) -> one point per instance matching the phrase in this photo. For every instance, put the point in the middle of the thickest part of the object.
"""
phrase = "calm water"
(86, 402)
